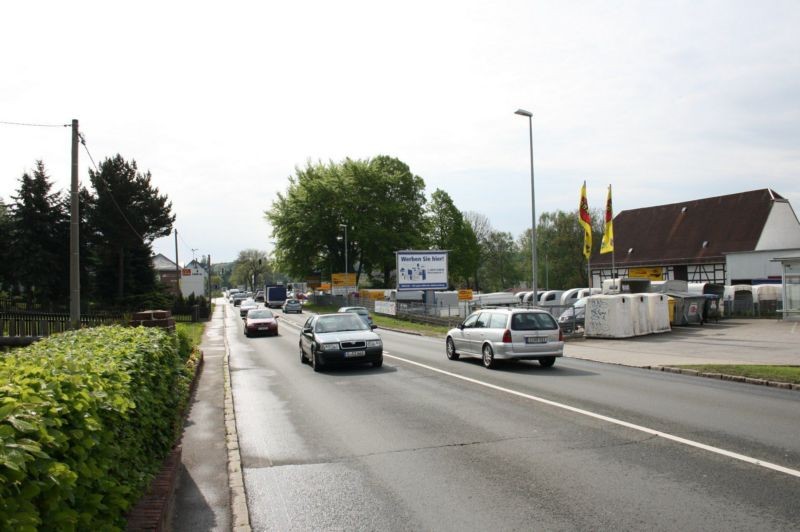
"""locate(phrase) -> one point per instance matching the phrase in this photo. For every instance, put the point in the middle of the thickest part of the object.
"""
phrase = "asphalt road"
(424, 443)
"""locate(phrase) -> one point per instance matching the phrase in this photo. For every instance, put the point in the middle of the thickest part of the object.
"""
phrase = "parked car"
(260, 321)
(293, 305)
(574, 317)
(341, 338)
(362, 312)
(507, 333)
(247, 305)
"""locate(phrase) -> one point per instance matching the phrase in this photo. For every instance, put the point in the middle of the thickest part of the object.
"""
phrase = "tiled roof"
(690, 232)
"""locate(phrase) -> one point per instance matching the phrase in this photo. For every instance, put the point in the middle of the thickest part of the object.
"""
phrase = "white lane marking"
(646, 430)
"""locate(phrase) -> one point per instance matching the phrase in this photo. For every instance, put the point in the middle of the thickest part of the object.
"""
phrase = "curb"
(240, 516)
(404, 331)
(724, 377)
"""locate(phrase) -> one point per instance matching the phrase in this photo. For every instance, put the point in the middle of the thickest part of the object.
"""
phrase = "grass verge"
(388, 322)
(193, 331)
(789, 374)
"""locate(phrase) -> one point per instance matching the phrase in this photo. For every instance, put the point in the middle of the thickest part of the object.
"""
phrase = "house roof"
(690, 232)
(162, 263)
(196, 265)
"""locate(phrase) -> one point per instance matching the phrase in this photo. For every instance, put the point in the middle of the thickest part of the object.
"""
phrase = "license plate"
(536, 339)
(349, 354)
(264, 327)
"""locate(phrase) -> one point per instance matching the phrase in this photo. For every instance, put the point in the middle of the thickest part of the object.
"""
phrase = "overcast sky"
(666, 101)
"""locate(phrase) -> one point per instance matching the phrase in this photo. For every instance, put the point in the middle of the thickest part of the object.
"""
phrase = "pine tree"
(126, 214)
(39, 240)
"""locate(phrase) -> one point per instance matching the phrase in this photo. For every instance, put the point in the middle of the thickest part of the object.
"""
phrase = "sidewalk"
(202, 498)
(732, 341)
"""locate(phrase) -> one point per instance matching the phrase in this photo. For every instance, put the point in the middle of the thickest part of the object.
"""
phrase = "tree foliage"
(251, 269)
(449, 230)
(39, 245)
(501, 267)
(6, 228)
(126, 214)
(379, 201)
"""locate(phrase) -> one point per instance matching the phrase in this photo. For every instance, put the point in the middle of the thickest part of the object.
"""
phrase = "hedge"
(86, 419)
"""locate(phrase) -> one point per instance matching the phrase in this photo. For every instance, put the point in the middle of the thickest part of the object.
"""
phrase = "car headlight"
(330, 347)
(374, 343)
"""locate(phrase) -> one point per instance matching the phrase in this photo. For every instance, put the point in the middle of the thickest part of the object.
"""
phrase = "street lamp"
(345, 250)
(523, 112)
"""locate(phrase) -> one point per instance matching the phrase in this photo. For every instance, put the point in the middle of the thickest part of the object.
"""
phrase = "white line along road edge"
(646, 430)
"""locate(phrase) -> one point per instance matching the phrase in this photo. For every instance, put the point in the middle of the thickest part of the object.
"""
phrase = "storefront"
(790, 272)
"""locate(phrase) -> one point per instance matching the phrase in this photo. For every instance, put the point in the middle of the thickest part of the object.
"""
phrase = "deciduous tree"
(379, 200)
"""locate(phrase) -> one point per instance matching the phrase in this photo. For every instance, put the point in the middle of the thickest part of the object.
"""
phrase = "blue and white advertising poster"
(421, 270)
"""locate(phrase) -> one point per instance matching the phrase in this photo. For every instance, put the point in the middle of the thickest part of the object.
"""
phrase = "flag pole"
(613, 252)
(589, 270)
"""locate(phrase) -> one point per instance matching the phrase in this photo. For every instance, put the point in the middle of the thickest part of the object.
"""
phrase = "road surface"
(424, 443)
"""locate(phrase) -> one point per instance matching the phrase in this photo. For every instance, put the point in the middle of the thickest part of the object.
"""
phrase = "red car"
(260, 321)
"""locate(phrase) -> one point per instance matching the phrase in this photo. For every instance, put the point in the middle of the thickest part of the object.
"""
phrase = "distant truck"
(275, 296)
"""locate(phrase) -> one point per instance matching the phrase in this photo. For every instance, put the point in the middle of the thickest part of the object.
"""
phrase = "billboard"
(421, 270)
(655, 273)
(344, 279)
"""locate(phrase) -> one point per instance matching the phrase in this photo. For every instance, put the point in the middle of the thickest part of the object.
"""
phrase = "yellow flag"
(586, 221)
(607, 246)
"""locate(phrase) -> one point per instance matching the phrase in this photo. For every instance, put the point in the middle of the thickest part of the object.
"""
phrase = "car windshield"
(532, 321)
(259, 314)
(344, 322)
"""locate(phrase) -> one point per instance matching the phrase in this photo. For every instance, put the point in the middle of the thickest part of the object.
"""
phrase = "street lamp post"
(523, 112)
(344, 226)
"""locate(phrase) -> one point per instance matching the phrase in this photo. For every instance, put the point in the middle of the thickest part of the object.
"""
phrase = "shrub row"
(86, 419)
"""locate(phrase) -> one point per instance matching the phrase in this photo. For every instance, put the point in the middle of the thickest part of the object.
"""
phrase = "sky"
(221, 102)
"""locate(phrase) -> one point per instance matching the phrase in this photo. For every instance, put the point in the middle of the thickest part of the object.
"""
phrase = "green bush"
(86, 419)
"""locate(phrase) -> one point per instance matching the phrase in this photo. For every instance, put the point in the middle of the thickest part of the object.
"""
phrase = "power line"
(108, 188)
(99, 175)
(32, 125)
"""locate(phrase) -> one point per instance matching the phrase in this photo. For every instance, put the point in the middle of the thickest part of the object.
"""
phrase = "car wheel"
(377, 363)
(315, 361)
(488, 357)
(246, 333)
(303, 359)
(546, 362)
(451, 350)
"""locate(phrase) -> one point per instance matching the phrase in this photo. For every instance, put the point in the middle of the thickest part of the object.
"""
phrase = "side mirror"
(461, 326)
(276, 316)
(306, 330)
(373, 326)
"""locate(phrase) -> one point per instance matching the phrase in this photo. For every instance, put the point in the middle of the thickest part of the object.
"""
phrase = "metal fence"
(40, 324)
(446, 316)
(19, 327)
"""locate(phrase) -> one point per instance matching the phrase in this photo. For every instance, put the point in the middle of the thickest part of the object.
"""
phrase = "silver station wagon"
(507, 334)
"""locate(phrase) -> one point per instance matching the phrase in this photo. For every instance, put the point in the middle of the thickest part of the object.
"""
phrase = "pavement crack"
(355, 457)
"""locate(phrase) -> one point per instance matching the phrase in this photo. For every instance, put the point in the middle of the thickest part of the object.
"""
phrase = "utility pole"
(177, 267)
(74, 235)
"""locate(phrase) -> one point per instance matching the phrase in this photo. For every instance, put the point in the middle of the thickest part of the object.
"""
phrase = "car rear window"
(532, 321)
